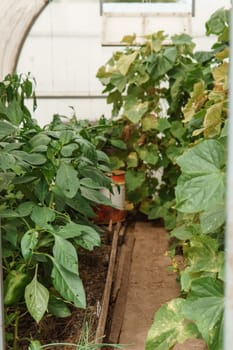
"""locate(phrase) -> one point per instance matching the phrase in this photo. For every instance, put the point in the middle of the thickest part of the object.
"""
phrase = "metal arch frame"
(2, 325)
(15, 25)
(24, 37)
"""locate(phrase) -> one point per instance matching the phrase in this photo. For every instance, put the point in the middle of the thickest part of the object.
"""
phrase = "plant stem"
(16, 327)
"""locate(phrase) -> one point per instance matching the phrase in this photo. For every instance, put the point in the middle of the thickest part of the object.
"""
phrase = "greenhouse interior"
(116, 178)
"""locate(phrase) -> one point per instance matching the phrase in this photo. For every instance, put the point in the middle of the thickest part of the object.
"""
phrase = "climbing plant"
(200, 202)
(148, 84)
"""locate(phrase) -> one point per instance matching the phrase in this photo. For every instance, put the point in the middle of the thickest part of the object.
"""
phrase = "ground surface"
(149, 285)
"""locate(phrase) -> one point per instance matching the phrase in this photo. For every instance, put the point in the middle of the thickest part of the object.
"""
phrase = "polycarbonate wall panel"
(16, 17)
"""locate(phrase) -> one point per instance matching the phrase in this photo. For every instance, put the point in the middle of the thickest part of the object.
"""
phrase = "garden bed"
(81, 325)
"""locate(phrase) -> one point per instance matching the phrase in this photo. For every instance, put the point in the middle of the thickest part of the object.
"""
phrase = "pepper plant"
(49, 183)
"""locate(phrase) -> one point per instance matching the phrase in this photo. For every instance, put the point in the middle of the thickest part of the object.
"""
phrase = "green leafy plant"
(200, 202)
(49, 182)
(148, 85)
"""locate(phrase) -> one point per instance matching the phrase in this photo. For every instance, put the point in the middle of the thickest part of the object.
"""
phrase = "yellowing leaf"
(128, 39)
(149, 122)
(197, 100)
(213, 120)
(132, 160)
(220, 73)
(125, 62)
(223, 54)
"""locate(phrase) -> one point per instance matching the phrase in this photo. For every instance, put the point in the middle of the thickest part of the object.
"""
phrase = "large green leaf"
(6, 129)
(39, 139)
(202, 257)
(65, 254)
(36, 297)
(204, 306)
(94, 196)
(90, 183)
(28, 243)
(217, 22)
(72, 230)
(25, 208)
(7, 161)
(202, 184)
(169, 327)
(88, 151)
(162, 124)
(68, 150)
(14, 112)
(42, 215)
(85, 236)
(185, 232)
(31, 158)
(66, 136)
(213, 219)
(118, 144)
(96, 175)
(81, 205)
(69, 285)
(164, 62)
(88, 240)
(148, 153)
(118, 80)
(134, 179)
(67, 180)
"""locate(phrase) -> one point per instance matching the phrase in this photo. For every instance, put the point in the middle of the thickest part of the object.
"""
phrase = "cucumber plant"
(148, 85)
(200, 202)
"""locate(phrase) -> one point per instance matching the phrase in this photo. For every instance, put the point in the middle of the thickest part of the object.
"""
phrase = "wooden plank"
(100, 332)
(121, 287)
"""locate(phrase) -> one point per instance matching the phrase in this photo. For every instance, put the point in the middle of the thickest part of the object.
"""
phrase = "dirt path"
(147, 285)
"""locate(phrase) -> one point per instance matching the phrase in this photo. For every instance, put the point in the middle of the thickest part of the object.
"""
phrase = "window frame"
(188, 6)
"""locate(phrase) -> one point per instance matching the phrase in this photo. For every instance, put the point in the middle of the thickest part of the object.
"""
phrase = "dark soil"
(93, 270)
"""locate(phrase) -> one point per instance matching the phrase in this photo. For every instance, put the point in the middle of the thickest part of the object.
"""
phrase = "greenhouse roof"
(16, 19)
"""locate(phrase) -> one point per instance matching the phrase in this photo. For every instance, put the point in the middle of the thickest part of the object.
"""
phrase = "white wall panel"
(64, 51)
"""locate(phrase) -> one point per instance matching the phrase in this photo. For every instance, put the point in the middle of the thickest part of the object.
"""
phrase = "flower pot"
(104, 213)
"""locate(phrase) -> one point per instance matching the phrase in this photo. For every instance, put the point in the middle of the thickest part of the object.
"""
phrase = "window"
(147, 5)
(123, 17)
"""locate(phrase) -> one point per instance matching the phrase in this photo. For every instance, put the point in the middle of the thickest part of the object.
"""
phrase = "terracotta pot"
(105, 213)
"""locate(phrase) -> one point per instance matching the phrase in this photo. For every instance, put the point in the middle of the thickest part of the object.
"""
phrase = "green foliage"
(49, 182)
(204, 306)
(169, 327)
(202, 183)
(147, 86)
(200, 201)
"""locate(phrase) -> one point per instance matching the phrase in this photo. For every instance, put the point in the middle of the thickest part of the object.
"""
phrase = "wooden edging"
(119, 294)
(100, 332)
